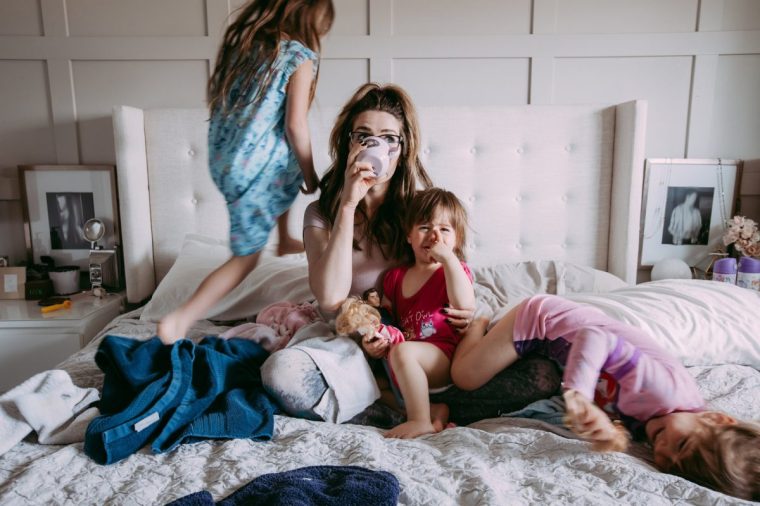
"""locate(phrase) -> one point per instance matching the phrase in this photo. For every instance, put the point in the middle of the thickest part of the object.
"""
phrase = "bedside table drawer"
(25, 352)
(33, 342)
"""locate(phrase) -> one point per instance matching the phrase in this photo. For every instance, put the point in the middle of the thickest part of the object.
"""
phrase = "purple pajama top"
(620, 363)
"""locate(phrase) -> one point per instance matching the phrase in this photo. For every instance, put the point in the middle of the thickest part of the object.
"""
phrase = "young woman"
(352, 235)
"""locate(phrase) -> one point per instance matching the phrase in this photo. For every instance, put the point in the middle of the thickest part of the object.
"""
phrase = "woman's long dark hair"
(386, 227)
(251, 44)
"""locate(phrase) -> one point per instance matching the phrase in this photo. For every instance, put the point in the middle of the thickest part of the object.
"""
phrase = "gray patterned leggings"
(294, 380)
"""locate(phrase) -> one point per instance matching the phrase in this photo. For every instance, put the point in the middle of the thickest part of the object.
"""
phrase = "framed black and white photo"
(58, 200)
(687, 203)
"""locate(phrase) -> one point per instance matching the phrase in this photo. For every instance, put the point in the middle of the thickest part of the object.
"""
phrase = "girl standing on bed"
(259, 143)
(415, 295)
(615, 369)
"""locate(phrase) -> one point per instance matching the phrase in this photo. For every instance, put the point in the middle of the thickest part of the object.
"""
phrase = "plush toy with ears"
(361, 321)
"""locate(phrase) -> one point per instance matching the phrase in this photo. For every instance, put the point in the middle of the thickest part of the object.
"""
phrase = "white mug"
(378, 153)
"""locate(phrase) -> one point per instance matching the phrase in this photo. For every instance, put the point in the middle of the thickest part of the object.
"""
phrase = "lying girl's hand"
(459, 319)
(359, 178)
(588, 421)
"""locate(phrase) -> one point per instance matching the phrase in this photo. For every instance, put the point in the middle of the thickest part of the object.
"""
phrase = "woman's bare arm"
(329, 254)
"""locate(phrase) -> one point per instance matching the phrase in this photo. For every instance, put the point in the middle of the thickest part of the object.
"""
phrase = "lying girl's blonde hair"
(725, 457)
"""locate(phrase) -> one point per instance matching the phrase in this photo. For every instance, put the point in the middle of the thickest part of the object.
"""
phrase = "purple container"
(749, 273)
(724, 270)
(749, 264)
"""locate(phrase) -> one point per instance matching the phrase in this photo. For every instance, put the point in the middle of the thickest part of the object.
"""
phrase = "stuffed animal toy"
(361, 321)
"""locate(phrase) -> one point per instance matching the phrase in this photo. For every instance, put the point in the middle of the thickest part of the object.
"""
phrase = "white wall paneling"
(135, 18)
(464, 81)
(736, 117)
(641, 16)
(338, 78)
(64, 63)
(148, 84)
(20, 17)
(25, 105)
(456, 18)
(665, 81)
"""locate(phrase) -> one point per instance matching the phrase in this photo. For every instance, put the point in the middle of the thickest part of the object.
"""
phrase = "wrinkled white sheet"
(496, 461)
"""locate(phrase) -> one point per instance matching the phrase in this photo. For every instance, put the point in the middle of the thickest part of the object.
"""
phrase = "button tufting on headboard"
(510, 163)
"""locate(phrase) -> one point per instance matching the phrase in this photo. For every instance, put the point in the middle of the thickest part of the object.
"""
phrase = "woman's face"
(379, 123)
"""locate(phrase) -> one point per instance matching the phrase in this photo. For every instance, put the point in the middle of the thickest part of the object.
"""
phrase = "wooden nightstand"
(32, 342)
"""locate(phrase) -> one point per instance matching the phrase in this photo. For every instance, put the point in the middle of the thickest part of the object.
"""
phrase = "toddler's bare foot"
(439, 416)
(411, 429)
(289, 246)
(172, 327)
(584, 418)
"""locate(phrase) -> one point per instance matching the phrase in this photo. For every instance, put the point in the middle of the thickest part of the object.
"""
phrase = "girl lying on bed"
(651, 390)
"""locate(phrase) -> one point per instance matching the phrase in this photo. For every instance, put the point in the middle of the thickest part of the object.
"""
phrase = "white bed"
(561, 238)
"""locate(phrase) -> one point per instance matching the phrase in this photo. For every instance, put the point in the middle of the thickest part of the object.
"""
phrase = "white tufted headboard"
(540, 182)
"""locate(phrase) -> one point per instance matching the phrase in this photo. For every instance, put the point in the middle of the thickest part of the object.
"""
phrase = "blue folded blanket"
(316, 485)
(174, 394)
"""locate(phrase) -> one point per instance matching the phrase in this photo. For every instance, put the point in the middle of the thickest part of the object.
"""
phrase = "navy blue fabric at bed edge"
(316, 485)
(169, 395)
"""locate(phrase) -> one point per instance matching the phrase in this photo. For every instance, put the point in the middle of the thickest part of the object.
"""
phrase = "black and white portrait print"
(67, 213)
(687, 215)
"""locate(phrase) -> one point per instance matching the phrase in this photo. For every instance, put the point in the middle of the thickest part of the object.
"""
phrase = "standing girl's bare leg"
(286, 244)
(481, 357)
(219, 283)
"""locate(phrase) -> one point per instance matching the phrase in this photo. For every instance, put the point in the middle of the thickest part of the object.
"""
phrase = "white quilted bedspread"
(496, 461)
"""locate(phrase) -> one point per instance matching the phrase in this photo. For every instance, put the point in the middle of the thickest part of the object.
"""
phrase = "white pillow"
(700, 322)
(274, 279)
(500, 287)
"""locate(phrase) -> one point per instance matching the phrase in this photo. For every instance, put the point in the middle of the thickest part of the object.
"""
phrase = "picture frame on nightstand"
(57, 200)
(12, 283)
(686, 207)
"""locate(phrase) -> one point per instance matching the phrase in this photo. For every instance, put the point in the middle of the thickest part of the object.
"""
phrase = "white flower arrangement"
(744, 235)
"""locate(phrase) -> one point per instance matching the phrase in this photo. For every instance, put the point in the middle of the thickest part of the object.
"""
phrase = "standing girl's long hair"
(385, 228)
(251, 44)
